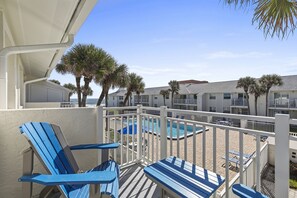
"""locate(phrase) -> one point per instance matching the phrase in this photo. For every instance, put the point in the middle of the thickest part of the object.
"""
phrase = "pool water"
(154, 127)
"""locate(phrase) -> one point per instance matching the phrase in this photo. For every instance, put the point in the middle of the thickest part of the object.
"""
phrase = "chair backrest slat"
(43, 138)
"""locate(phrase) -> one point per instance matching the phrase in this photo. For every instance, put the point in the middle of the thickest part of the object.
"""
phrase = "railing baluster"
(194, 143)
(258, 173)
(108, 130)
(133, 138)
(122, 140)
(214, 149)
(158, 131)
(170, 137)
(241, 156)
(177, 147)
(127, 138)
(153, 137)
(115, 137)
(185, 141)
(227, 162)
(203, 147)
(148, 138)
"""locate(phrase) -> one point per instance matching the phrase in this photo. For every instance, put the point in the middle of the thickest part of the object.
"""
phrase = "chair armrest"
(95, 146)
(97, 177)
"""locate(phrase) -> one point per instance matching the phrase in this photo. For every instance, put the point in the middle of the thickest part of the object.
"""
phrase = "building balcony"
(154, 137)
(241, 102)
(283, 103)
(185, 101)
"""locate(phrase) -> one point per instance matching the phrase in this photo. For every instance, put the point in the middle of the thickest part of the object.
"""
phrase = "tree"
(275, 17)
(257, 90)
(71, 87)
(267, 81)
(173, 88)
(140, 89)
(245, 83)
(164, 93)
(55, 81)
(134, 84)
(72, 63)
(115, 77)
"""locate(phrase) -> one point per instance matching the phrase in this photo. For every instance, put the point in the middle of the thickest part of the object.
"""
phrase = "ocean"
(91, 102)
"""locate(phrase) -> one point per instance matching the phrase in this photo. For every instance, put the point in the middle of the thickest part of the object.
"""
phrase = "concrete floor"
(134, 183)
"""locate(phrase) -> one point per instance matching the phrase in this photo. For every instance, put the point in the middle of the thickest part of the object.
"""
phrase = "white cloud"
(228, 54)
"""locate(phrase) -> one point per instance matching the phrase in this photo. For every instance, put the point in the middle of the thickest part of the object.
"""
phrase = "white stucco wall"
(77, 124)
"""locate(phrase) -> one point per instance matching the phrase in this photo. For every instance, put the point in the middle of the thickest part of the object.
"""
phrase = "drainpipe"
(25, 85)
(5, 52)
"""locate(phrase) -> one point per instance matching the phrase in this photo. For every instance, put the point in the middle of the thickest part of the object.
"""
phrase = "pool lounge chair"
(236, 158)
(49, 145)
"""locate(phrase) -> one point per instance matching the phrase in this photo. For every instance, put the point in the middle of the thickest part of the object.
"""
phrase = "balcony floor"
(134, 183)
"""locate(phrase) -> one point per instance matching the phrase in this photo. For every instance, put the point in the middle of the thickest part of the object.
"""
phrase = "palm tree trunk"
(85, 91)
(248, 102)
(172, 100)
(267, 102)
(77, 79)
(100, 99)
(164, 100)
(126, 99)
(138, 96)
(256, 109)
(106, 99)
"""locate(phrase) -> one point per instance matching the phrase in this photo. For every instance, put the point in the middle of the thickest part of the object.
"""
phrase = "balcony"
(161, 136)
(241, 102)
(185, 101)
(141, 101)
(283, 103)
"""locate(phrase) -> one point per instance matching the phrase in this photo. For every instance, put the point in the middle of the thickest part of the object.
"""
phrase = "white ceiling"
(40, 22)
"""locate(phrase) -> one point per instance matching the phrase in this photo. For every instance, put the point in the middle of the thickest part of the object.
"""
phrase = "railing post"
(163, 131)
(139, 132)
(282, 155)
(100, 133)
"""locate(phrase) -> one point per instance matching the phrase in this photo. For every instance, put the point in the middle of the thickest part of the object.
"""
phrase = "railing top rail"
(242, 130)
(226, 115)
(119, 115)
(120, 108)
(150, 115)
(293, 121)
(293, 138)
(151, 108)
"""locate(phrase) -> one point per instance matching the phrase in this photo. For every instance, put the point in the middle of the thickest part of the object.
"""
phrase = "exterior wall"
(43, 104)
(14, 68)
(45, 92)
(78, 126)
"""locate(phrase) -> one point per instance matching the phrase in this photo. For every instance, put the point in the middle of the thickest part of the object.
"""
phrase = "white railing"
(185, 101)
(163, 136)
(284, 103)
(239, 102)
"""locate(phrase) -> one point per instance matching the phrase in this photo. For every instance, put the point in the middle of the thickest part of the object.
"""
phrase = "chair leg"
(27, 170)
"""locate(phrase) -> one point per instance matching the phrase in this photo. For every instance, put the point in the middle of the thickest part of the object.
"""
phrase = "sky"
(163, 40)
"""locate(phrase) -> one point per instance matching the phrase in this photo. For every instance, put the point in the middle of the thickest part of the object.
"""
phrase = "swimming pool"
(154, 127)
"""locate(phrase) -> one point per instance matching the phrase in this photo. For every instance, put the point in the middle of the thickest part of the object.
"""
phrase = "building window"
(113, 97)
(155, 105)
(156, 97)
(212, 109)
(212, 96)
(167, 97)
(227, 96)
(121, 97)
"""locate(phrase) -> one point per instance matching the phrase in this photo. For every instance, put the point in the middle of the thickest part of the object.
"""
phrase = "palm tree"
(55, 81)
(81, 61)
(245, 83)
(174, 88)
(257, 90)
(164, 93)
(134, 84)
(267, 81)
(275, 17)
(140, 89)
(115, 77)
(71, 87)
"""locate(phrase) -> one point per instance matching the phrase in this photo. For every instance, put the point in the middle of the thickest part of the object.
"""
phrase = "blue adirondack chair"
(49, 145)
